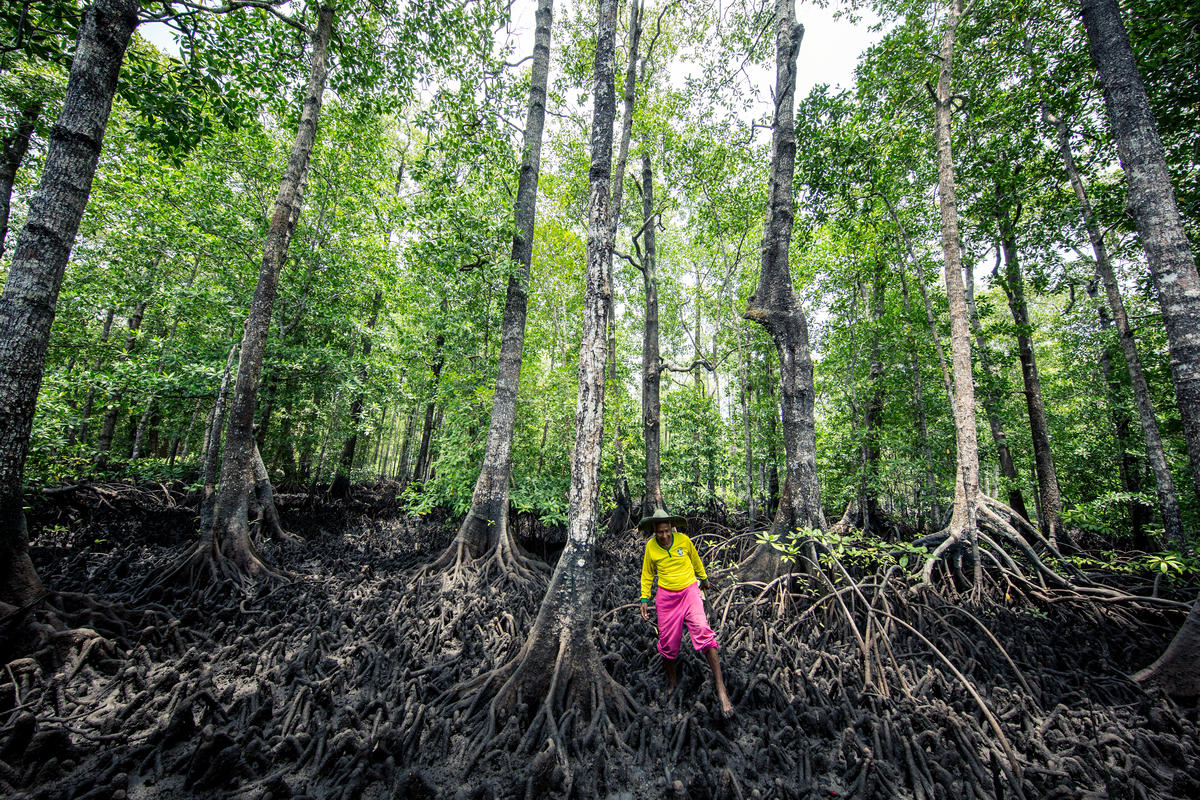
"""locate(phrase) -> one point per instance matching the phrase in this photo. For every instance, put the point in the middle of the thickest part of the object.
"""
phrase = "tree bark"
(264, 496)
(774, 306)
(993, 403)
(227, 545)
(212, 444)
(1013, 284)
(1168, 500)
(80, 433)
(963, 527)
(560, 649)
(621, 518)
(1173, 267)
(485, 528)
(12, 153)
(36, 271)
(651, 362)
(109, 427)
(341, 479)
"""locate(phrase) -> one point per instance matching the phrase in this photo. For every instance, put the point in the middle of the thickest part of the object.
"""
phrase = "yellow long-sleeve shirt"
(677, 566)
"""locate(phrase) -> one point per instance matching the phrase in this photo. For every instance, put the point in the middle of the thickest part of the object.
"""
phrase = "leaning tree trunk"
(963, 529)
(1173, 266)
(774, 306)
(226, 548)
(1168, 500)
(558, 669)
(1013, 285)
(341, 479)
(651, 362)
(485, 531)
(12, 153)
(36, 272)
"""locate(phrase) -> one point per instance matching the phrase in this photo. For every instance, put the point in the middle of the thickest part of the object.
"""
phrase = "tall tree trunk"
(401, 473)
(1013, 284)
(1173, 267)
(622, 513)
(212, 444)
(341, 479)
(80, 434)
(993, 402)
(872, 514)
(12, 153)
(36, 272)
(963, 528)
(113, 411)
(1168, 500)
(485, 528)
(914, 368)
(226, 546)
(560, 651)
(651, 362)
(774, 306)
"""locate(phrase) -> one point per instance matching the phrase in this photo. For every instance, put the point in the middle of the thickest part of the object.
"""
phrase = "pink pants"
(675, 609)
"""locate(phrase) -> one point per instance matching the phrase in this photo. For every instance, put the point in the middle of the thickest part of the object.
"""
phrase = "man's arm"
(697, 564)
(647, 574)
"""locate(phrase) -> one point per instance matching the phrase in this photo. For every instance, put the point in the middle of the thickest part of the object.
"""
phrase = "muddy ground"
(346, 681)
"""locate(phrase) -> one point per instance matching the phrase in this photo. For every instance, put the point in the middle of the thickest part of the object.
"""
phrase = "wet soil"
(343, 682)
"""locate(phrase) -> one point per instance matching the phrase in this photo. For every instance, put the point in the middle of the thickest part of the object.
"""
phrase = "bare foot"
(726, 708)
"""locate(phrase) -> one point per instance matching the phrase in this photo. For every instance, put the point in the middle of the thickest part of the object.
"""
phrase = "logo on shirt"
(679, 550)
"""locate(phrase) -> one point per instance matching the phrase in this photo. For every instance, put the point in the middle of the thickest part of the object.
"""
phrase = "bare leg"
(669, 663)
(710, 655)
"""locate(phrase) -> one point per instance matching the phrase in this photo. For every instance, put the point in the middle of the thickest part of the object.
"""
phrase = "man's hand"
(704, 585)
(645, 610)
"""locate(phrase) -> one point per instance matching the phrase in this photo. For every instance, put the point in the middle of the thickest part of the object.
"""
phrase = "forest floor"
(343, 681)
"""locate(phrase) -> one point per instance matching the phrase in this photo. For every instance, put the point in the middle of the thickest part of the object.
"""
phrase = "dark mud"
(346, 681)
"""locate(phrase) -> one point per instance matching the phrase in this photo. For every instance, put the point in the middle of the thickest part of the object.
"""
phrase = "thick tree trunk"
(1050, 518)
(12, 153)
(109, 427)
(963, 523)
(341, 479)
(485, 528)
(774, 306)
(228, 548)
(1172, 265)
(558, 668)
(651, 362)
(993, 402)
(1168, 500)
(36, 271)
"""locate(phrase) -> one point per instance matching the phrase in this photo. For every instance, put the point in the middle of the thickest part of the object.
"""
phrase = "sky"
(827, 55)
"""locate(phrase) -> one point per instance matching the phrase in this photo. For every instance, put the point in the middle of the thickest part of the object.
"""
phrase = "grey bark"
(12, 153)
(1164, 484)
(89, 400)
(1173, 267)
(341, 479)
(963, 527)
(212, 444)
(559, 650)
(486, 525)
(113, 411)
(993, 403)
(651, 362)
(36, 271)
(1013, 284)
(774, 306)
(228, 542)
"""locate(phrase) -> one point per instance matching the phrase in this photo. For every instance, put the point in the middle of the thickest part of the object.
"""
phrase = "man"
(672, 556)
